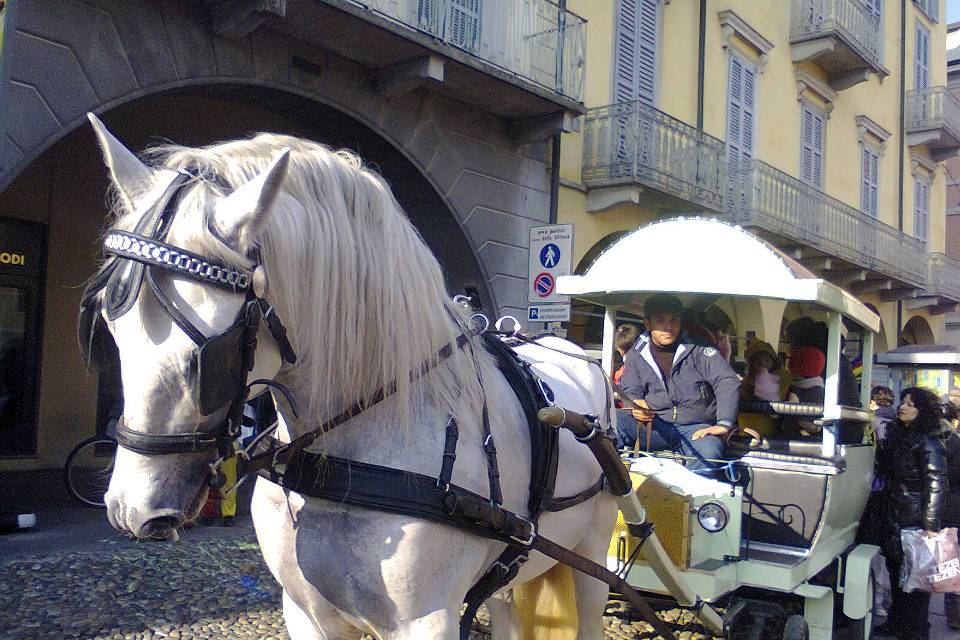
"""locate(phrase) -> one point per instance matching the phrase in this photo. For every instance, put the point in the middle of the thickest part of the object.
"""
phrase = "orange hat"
(807, 362)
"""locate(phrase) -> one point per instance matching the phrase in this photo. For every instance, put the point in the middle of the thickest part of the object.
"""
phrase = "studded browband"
(133, 246)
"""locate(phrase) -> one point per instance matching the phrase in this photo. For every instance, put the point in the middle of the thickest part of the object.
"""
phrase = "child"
(807, 363)
(761, 383)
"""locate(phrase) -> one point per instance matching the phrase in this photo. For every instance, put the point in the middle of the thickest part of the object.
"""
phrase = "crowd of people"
(681, 393)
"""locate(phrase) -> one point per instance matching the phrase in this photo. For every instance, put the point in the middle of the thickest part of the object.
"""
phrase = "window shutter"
(870, 182)
(647, 49)
(625, 85)
(734, 109)
(818, 150)
(806, 145)
(636, 50)
(464, 24)
(921, 78)
(740, 108)
(865, 179)
(749, 80)
(921, 208)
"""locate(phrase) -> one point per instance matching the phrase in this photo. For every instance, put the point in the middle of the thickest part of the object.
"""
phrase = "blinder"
(219, 365)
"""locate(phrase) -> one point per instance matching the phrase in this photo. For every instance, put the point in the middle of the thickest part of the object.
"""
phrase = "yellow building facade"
(805, 121)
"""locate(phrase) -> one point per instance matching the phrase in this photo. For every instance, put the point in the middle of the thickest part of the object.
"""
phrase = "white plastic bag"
(882, 591)
(930, 564)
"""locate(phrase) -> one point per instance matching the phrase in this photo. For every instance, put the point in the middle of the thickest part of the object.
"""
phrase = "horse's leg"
(591, 593)
(505, 624)
(300, 626)
(443, 624)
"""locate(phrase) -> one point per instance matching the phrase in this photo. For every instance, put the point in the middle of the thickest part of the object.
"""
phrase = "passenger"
(913, 464)
(626, 337)
(762, 382)
(806, 332)
(807, 364)
(688, 392)
(881, 403)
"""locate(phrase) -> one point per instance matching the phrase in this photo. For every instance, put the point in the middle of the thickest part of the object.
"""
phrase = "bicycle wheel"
(88, 469)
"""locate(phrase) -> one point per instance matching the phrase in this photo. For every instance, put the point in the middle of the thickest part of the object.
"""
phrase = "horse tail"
(547, 606)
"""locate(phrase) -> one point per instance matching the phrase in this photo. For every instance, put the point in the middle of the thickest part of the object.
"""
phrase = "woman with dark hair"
(913, 464)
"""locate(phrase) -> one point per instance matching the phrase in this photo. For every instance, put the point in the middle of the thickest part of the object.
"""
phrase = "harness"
(218, 372)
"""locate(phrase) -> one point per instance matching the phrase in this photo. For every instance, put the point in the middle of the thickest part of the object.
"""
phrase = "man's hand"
(931, 534)
(716, 430)
(643, 414)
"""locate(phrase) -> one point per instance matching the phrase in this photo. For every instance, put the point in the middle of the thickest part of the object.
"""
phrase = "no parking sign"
(550, 257)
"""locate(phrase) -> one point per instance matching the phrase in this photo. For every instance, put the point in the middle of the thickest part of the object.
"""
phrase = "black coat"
(914, 468)
(950, 515)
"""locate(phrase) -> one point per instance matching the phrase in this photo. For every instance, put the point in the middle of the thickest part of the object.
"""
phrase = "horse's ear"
(131, 177)
(239, 217)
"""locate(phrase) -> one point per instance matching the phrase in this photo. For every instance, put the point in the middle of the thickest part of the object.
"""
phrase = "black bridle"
(219, 365)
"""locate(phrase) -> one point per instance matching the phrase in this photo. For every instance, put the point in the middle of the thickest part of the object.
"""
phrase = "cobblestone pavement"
(213, 588)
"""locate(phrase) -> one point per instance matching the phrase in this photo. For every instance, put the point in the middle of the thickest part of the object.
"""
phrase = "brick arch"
(62, 59)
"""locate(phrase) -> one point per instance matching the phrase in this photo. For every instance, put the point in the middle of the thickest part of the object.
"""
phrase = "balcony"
(629, 148)
(521, 60)
(855, 250)
(933, 119)
(943, 286)
(842, 37)
(929, 7)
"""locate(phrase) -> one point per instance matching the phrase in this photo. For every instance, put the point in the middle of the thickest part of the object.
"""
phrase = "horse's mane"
(362, 296)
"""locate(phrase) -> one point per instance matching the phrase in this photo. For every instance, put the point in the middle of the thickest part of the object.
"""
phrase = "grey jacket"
(701, 387)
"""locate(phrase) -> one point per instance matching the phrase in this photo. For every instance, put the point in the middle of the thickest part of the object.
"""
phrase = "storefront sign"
(21, 247)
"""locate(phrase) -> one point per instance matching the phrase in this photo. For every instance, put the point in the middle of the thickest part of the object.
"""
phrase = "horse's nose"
(161, 527)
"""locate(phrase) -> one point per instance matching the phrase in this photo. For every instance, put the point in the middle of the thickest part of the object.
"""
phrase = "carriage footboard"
(587, 431)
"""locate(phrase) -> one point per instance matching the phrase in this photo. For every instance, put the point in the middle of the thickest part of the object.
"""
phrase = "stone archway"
(917, 331)
(61, 60)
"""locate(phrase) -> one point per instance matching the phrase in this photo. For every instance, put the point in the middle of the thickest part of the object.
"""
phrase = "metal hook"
(516, 325)
(463, 299)
(486, 322)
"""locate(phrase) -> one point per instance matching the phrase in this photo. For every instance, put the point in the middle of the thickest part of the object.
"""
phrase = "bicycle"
(88, 470)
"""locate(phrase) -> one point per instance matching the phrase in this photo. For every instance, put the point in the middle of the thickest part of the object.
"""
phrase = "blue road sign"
(550, 255)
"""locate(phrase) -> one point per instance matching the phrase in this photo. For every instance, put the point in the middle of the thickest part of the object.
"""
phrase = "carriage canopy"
(699, 257)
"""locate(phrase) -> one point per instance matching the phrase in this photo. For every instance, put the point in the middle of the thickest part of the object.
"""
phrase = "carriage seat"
(789, 479)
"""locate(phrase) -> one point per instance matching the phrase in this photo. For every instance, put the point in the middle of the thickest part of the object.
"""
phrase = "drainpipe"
(554, 177)
(701, 52)
(555, 140)
(900, 150)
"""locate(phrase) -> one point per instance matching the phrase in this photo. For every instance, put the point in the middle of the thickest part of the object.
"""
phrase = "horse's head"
(181, 338)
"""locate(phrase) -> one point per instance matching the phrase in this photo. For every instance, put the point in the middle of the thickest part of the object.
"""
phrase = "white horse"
(365, 303)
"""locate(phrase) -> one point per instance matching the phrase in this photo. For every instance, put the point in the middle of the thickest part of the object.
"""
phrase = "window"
(636, 51)
(870, 181)
(811, 146)
(456, 21)
(921, 67)
(463, 24)
(741, 93)
(921, 208)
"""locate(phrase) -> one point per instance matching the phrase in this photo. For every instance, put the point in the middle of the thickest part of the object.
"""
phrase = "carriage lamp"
(712, 516)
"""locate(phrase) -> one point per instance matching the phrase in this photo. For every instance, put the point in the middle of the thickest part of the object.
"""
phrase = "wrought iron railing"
(933, 108)
(849, 19)
(929, 7)
(944, 276)
(633, 142)
(534, 39)
(759, 195)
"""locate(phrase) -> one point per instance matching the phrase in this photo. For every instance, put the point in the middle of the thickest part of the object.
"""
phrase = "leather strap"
(282, 453)
(407, 493)
(449, 452)
(561, 504)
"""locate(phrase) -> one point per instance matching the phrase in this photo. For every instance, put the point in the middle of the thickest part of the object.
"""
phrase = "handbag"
(930, 564)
